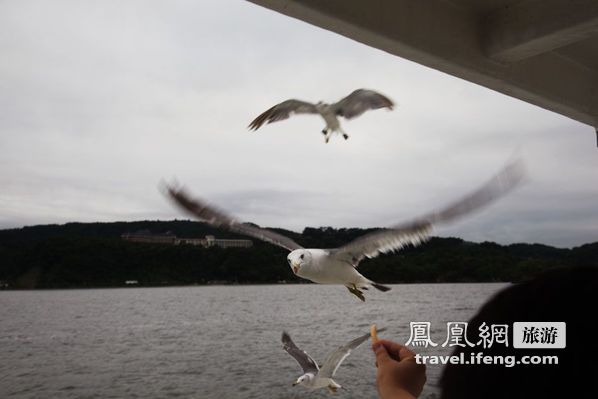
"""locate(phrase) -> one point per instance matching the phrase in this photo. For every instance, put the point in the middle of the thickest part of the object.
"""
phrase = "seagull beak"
(295, 383)
(295, 268)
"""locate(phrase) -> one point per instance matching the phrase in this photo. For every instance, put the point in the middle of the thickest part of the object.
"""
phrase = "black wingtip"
(169, 188)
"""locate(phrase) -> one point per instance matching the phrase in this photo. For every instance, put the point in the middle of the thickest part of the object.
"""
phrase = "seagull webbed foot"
(357, 292)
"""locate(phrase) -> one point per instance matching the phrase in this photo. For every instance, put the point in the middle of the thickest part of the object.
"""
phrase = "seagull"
(352, 106)
(339, 265)
(313, 376)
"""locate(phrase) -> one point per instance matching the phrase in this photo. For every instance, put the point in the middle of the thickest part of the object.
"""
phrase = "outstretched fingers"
(392, 350)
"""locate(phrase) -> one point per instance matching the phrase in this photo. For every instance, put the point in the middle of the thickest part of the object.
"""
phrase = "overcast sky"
(100, 100)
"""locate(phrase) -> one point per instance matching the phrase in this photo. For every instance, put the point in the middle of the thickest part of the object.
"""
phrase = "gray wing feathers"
(500, 184)
(384, 241)
(359, 101)
(282, 111)
(217, 218)
(418, 230)
(334, 360)
(305, 361)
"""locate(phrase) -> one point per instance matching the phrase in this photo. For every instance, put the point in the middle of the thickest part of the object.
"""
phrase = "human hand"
(398, 375)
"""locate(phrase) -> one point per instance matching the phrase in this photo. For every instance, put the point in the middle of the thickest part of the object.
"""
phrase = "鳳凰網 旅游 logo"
(534, 335)
(478, 340)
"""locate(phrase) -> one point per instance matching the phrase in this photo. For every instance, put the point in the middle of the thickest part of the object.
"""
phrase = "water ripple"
(206, 342)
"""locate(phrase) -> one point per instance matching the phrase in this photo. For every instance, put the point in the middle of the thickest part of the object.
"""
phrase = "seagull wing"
(305, 361)
(417, 230)
(283, 111)
(213, 216)
(359, 101)
(334, 360)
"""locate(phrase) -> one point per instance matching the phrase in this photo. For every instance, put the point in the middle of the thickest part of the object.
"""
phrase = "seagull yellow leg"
(356, 291)
(326, 132)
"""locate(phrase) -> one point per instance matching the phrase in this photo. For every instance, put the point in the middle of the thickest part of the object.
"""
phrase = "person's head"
(561, 295)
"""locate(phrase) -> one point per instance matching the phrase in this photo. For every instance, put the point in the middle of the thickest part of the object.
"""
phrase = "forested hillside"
(94, 255)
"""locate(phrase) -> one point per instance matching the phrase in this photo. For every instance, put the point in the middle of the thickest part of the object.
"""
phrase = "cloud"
(100, 101)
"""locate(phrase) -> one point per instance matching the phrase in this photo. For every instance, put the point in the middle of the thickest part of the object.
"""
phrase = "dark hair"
(558, 295)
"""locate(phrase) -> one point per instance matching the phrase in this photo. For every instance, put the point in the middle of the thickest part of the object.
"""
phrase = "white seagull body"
(324, 266)
(339, 265)
(355, 104)
(315, 377)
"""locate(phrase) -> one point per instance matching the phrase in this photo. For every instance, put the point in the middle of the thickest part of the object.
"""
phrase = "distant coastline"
(94, 255)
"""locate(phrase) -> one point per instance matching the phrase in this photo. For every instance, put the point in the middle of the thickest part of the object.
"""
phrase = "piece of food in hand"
(374, 333)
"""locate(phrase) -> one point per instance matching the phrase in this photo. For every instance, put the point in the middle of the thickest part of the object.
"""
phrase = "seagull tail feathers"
(380, 287)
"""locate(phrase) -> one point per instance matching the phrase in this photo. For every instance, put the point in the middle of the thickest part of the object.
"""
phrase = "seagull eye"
(302, 255)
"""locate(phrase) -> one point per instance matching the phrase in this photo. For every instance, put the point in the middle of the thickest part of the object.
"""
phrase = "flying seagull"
(352, 106)
(339, 265)
(313, 376)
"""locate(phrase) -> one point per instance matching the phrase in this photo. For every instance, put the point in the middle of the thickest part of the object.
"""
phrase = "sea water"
(209, 341)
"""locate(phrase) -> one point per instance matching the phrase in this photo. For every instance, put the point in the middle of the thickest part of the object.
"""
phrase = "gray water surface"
(208, 342)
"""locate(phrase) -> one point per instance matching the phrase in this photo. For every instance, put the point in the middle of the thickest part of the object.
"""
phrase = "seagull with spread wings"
(339, 265)
(315, 377)
(355, 104)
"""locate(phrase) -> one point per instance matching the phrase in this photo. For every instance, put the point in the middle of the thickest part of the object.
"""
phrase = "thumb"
(382, 355)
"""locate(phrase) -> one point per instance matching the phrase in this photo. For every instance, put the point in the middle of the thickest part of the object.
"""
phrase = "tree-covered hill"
(94, 255)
